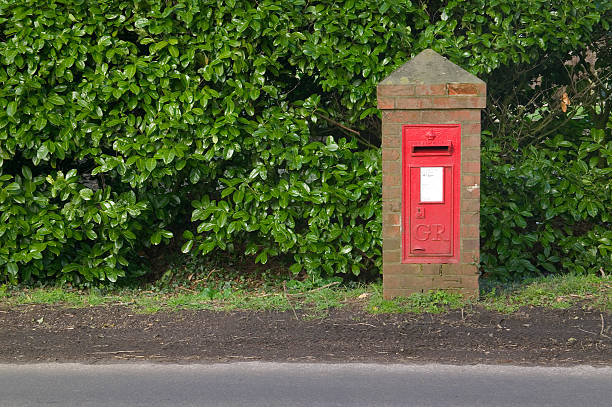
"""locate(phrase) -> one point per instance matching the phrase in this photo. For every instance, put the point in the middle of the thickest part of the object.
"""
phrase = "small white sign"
(432, 184)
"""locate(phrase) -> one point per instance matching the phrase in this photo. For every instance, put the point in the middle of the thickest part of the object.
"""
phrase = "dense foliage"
(549, 210)
(243, 126)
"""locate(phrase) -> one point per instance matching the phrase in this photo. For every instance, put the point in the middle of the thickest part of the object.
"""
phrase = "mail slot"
(431, 159)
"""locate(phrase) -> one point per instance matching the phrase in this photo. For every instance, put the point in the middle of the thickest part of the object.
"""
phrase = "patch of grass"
(75, 298)
(556, 291)
(258, 302)
(434, 302)
(51, 296)
(315, 298)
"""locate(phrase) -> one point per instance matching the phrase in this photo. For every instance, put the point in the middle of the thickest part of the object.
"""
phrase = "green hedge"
(550, 209)
(233, 126)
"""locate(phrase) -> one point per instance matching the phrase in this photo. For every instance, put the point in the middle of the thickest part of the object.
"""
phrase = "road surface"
(274, 384)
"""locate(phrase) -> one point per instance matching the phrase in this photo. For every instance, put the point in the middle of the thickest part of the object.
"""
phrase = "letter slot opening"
(431, 150)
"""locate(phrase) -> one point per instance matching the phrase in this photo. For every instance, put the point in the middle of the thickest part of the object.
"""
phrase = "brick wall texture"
(431, 104)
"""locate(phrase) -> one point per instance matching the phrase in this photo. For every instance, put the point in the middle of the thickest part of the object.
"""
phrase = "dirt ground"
(114, 333)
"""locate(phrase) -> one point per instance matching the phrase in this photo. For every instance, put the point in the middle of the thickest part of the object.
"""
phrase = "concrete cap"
(430, 68)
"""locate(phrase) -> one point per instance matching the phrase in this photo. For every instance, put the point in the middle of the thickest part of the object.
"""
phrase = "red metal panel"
(431, 160)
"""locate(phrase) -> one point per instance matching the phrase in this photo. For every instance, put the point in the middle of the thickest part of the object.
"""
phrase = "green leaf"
(141, 22)
(262, 257)
(187, 246)
(27, 173)
(368, 112)
(168, 156)
(134, 88)
(40, 123)
(86, 194)
(105, 41)
(233, 226)
(591, 209)
(11, 109)
(160, 45)
(520, 221)
(57, 100)
(128, 234)
(156, 238)
(69, 268)
(205, 227)
(238, 196)
(130, 71)
(227, 191)
(332, 147)
(283, 200)
(150, 164)
(111, 275)
(12, 268)
(207, 247)
(242, 25)
(254, 93)
(346, 249)
(42, 152)
(13, 187)
(194, 176)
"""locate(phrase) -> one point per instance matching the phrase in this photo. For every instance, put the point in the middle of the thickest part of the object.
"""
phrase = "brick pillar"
(431, 90)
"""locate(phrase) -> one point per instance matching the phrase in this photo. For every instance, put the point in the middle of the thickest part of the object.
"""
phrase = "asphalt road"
(273, 384)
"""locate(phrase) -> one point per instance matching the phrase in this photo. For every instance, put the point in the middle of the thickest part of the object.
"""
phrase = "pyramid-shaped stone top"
(430, 68)
(430, 81)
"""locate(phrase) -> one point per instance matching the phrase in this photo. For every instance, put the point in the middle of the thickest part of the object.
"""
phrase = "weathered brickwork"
(417, 94)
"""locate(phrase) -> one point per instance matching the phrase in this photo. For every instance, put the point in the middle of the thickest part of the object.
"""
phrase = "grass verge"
(557, 292)
(315, 299)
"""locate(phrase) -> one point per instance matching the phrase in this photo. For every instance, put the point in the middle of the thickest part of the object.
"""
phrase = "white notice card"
(432, 184)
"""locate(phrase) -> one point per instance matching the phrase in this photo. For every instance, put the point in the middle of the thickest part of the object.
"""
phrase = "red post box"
(431, 235)
(431, 159)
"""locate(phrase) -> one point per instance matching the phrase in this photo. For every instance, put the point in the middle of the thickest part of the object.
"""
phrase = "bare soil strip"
(533, 336)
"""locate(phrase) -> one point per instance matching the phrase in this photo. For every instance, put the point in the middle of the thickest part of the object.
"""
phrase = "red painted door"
(431, 158)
